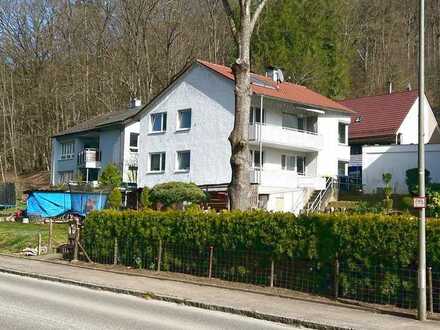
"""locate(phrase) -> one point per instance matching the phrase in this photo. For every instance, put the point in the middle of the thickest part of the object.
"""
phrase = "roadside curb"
(187, 302)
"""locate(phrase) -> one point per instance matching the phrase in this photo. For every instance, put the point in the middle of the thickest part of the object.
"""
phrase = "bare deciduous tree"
(241, 28)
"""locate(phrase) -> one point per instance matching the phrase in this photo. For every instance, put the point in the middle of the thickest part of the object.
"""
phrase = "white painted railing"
(286, 137)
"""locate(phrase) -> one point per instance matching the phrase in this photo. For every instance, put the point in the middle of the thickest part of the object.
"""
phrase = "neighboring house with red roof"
(389, 119)
(297, 137)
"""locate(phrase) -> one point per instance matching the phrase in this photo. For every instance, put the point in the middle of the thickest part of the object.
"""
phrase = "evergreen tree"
(305, 39)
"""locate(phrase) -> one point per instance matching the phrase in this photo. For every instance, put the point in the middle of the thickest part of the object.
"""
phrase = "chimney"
(390, 86)
(408, 87)
(135, 103)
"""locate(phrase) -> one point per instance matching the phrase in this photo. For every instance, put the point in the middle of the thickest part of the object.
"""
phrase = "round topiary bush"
(114, 199)
(172, 193)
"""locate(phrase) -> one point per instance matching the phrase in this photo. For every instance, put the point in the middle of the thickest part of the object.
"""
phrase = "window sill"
(157, 133)
(183, 130)
(181, 171)
(155, 172)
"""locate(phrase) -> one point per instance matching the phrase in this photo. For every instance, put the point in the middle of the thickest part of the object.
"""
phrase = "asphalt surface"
(27, 303)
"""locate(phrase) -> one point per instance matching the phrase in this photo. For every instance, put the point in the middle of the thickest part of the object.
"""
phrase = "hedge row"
(367, 239)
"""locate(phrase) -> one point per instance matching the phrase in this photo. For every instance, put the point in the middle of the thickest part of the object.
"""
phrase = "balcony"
(89, 158)
(285, 179)
(287, 138)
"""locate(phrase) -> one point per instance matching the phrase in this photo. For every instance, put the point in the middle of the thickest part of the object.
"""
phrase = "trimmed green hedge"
(367, 239)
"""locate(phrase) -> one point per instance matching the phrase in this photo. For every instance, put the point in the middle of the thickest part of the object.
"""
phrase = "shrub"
(434, 204)
(114, 199)
(144, 199)
(388, 204)
(412, 180)
(406, 203)
(111, 176)
(171, 193)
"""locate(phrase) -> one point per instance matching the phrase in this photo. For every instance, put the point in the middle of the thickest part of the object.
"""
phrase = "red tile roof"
(379, 115)
(285, 91)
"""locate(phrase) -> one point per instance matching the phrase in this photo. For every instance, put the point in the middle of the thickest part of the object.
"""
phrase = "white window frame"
(162, 162)
(163, 122)
(287, 159)
(253, 116)
(304, 165)
(182, 170)
(346, 133)
(67, 150)
(130, 147)
(179, 123)
(252, 159)
(63, 175)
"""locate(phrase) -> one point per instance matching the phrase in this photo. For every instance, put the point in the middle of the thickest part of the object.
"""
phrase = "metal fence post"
(272, 272)
(159, 256)
(39, 244)
(76, 247)
(336, 279)
(49, 245)
(115, 252)
(430, 295)
(211, 250)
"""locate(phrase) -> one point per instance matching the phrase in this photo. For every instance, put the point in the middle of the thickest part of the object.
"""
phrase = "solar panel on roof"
(255, 80)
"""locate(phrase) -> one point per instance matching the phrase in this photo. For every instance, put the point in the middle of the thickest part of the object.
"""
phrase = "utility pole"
(422, 220)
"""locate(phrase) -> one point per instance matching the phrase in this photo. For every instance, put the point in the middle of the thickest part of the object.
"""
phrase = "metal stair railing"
(316, 204)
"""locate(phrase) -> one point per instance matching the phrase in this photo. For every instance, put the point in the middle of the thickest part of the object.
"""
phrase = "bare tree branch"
(257, 14)
(230, 15)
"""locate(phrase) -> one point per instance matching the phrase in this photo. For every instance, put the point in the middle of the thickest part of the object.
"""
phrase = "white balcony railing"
(285, 179)
(89, 158)
(286, 137)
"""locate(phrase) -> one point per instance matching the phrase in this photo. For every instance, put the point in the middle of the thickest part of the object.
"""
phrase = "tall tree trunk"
(239, 188)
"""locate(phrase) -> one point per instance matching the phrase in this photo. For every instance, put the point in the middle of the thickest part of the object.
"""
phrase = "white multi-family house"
(81, 152)
(297, 137)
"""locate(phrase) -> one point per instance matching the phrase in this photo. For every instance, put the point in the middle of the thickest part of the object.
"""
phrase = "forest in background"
(64, 61)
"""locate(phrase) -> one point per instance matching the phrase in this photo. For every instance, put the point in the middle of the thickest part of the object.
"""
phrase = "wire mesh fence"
(376, 284)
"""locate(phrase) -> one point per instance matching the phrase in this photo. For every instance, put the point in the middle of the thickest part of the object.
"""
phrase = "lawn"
(15, 236)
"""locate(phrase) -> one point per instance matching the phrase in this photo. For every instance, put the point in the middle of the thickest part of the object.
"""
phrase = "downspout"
(260, 138)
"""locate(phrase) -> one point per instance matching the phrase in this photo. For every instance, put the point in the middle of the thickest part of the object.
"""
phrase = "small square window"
(183, 160)
(157, 162)
(288, 162)
(158, 122)
(134, 137)
(184, 119)
(67, 150)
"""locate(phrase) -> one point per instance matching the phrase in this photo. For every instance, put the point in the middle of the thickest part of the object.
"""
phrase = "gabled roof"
(380, 115)
(100, 121)
(290, 92)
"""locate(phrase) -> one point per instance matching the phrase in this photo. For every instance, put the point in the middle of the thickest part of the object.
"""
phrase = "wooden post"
(75, 248)
(39, 244)
(159, 256)
(272, 272)
(49, 245)
(115, 252)
(430, 295)
(211, 248)
(336, 279)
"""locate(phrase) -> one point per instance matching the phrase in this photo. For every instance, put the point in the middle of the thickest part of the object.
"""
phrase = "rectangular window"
(65, 176)
(134, 137)
(255, 116)
(67, 150)
(132, 174)
(301, 165)
(341, 168)
(288, 162)
(158, 122)
(183, 160)
(184, 119)
(254, 159)
(157, 162)
(342, 133)
(289, 121)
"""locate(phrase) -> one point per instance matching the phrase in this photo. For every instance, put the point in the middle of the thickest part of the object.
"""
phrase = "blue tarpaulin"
(49, 204)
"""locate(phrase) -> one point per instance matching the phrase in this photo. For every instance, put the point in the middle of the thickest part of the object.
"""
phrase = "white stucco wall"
(409, 127)
(396, 159)
(333, 151)
(211, 100)
(129, 158)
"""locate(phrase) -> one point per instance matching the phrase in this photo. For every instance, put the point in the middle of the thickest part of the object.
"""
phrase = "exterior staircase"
(319, 199)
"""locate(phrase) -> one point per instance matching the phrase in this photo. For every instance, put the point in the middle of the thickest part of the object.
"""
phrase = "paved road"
(27, 303)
